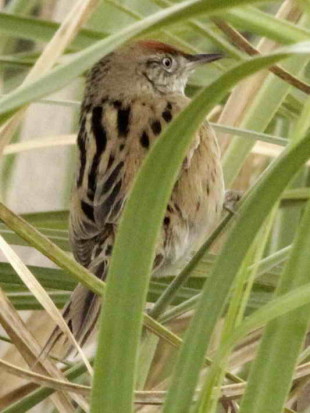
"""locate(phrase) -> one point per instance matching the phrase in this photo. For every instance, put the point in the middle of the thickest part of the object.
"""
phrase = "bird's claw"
(232, 197)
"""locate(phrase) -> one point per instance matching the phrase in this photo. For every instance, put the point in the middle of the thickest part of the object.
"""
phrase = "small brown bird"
(131, 95)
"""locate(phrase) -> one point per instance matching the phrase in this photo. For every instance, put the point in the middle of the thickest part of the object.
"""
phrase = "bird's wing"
(99, 193)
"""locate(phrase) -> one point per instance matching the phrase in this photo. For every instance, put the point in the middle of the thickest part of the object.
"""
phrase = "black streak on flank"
(167, 115)
(123, 122)
(87, 303)
(117, 207)
(117, 104)
(101, 143)
(166, 221)
(110, 162)
(144, 140)
(112, 178)
(88, 211)
(109, 202)
(101, 270)
(70, 325)
(158, 261)
(82, 149)
(98, 130)
(156, 127)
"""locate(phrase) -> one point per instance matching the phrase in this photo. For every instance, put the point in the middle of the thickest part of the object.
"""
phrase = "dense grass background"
(228, 333)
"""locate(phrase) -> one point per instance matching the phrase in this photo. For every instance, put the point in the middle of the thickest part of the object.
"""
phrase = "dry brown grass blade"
(62, 38)
(37, 322)
(246, 46)
(269, 150)
(43, 380)
(141, 397)
(242, 96)
(16, 394)
(30, 350)
(41, 295)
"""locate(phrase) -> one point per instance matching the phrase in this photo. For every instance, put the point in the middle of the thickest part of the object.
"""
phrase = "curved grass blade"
(43, 30)
(62, 75)
(282, 338)
(260, 22)
(218, 285)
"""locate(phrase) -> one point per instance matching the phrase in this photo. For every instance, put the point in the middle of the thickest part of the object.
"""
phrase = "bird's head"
(147, 67)
(166, 68)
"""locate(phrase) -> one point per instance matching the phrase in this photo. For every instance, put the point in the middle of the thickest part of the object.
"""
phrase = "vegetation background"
(229, 333)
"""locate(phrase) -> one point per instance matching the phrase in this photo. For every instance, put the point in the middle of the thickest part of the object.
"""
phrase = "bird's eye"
(167, 62)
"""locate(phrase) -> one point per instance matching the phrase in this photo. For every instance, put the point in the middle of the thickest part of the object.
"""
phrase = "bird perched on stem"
(131, 95)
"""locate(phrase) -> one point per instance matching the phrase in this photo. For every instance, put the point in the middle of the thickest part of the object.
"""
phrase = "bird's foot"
(232, 197)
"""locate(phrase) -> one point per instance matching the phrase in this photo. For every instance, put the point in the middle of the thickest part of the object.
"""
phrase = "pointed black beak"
(197, 59)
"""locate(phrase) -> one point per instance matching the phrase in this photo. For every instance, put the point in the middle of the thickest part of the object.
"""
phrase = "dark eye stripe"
(152, 62)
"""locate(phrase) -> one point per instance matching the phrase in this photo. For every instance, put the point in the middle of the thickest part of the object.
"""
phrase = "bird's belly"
(201, 197)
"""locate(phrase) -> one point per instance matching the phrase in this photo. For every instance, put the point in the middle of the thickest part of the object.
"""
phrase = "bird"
(131, 95)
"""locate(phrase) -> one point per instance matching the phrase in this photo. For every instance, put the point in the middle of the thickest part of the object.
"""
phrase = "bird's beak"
(202, 58)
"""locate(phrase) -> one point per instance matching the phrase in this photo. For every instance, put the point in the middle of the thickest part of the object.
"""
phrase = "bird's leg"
(232, 197)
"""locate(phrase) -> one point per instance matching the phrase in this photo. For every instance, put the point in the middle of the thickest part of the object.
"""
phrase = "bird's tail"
(80, 313)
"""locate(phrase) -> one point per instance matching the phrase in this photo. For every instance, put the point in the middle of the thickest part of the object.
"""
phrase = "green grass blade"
(250, 134)
(265, 24)
(48, 277)
(216, 289)
(43, 30)
(63, 74)
(48, 219)
(26, 301)
(60, 238)
(282, 337)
